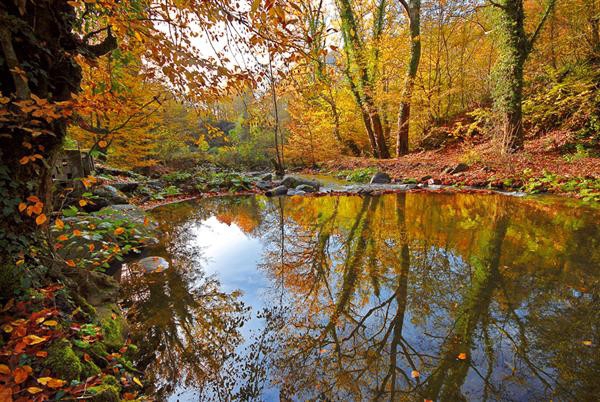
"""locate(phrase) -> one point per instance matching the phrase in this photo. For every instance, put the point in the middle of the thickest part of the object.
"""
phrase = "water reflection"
(399, 297)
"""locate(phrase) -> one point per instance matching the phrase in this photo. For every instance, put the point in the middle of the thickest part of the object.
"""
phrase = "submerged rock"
(153, 264)
(381, 178)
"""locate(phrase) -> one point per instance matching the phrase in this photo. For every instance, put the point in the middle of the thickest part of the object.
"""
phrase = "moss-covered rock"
(63, 362)
(114, 329)
(89, 369)
(108, 391)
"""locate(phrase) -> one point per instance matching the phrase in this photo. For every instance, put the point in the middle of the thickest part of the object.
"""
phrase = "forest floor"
(539, 167)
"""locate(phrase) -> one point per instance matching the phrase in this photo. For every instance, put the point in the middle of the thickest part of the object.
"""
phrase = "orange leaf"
(4, 369)
(462, 356)
(51, 323)
(82, 203)
(20, 374)
(5, 394)
(22, 206)
(34, 339)
(41, 219)
(71, 263)
(91, 247)
(41, 353)
(103, 144)
(34, 390)
(118, 231)
(415, 374)
(59, 224)
(51, 382)
(62, 238)
(24, 160)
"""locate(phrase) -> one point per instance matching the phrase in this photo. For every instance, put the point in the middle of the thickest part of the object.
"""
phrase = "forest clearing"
(273, 200)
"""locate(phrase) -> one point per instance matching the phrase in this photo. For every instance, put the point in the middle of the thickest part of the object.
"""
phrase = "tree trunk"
(515, 46)
(414, 15)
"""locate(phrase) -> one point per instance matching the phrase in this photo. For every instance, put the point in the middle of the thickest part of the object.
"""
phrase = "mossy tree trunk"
(37, 71)
(413, 11)
(361, 72)
(515, 46)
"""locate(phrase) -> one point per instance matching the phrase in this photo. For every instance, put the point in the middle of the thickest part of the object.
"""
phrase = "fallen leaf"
(76, 232)
(71, 263)
(587, 343)
(62, 238)
(20, 374)
(415, 374)
(118, 231)
(22, 206)
(41, 219)
(5, 394)
(51, 323)
(34, 390)
(138, 382)
(7, 328)
(462, 356)
(51, 382)
(82, 203)
(4, 369)
(41, 353)
(34, 339)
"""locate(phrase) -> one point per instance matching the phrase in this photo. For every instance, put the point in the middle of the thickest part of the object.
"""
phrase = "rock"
(461, 167)
(156, 184)
(425, 178)
(293, 182)
(305, 188)
(263, 185)
(106, 195)
(126, 187)
(380, 178)
(434, 181)
(279, 190)
(267, 177)
(153, 264)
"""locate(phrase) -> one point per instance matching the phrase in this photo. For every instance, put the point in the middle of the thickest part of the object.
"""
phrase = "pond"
(407, 296)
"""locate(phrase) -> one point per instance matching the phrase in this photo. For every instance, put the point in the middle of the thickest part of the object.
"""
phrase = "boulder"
(153, 264)
(279, 190)
(306, 188)
(293, 182)
(461, 167)
(106, 195)
(263, 185)
(126, 187)
(381, 178)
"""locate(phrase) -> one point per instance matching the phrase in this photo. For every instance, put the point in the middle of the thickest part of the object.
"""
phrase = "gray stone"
(380, 178)
(267, 177)
(153, 264)
(279, 190)
(126, 187)
(263, 185)
(306, 188)
(461, 167)
(106, 195)
(293, 182)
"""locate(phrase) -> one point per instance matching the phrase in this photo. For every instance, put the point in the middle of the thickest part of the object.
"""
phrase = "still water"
(410, 297)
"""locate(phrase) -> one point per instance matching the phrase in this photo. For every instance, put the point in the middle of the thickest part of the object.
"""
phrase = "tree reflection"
(186, 328)
(443, 297)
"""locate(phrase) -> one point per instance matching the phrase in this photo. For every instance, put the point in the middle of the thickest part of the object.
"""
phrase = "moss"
(131, 353)
(9, 281)
(89, 369)
(104, 393)
(108, 391)
(113, 326)
(63, 362)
